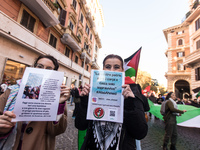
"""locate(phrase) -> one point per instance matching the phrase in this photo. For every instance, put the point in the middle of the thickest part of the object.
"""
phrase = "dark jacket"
(74, 92)
(169, 109)
(134, 124)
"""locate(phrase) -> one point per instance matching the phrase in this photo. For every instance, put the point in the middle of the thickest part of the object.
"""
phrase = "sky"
(130, 24)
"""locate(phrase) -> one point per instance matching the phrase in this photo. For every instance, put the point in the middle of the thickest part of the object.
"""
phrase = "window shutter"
(55, 41)
(31, 24)
(183, 53)
(24, 20)
(196, 74)
(62, 18)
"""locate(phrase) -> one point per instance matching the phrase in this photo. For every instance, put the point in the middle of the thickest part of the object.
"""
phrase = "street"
(188, 138)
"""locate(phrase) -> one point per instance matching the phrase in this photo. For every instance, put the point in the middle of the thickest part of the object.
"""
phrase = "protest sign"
(106, 101)
(38, 96)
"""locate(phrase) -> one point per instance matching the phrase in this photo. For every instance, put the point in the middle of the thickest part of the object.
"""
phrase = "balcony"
(89, 17)
(95, 65)
(192, 58)
(84, 55)
(98, 40)
(71, 40)
(45, 10)
(193, 15)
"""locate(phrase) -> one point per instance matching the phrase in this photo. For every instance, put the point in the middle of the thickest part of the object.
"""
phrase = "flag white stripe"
(194, 122)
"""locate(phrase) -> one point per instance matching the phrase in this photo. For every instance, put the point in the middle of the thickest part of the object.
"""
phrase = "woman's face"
(173, 96)
(113, 64)
(45, 63)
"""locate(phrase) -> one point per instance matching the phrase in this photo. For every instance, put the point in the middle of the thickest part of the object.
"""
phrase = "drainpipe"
(83, 68)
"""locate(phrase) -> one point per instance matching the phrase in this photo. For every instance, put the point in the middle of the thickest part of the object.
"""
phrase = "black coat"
(134, 124)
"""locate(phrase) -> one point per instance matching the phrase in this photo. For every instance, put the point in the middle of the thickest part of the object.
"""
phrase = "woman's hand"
(127, 91)
(64, 93)
(86, 90)
(5, 122)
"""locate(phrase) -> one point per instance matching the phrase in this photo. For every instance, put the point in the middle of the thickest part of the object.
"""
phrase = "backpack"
(162, 109)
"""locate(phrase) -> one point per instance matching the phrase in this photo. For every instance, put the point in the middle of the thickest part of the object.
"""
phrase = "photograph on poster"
(32, 87)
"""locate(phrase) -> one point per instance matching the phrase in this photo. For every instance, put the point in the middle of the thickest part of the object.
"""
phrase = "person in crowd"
(154, 100)
(3, 88)
(72, 93)
(179, 101)
(104, 134)
(76, 100)
(159, 99)
(195, 103)
(170, 121)
(80, 89)
(35, 135)
(187, 102)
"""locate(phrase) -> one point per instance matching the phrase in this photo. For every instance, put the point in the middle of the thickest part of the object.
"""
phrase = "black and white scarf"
(106, 134)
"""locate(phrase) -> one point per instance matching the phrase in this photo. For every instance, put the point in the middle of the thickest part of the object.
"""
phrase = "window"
(65, 80)
(180, 67)
(197, 24)
(180, 42)
(89, 51)
(81, 18)
(79, 37)
(53, 40)
(85, 46)
(74, 4)
(91, 37)
(67, 51)
(180, 54)
(87, 68)
(82, 65)
(71, 25)
(96, 48)
(62, 17)
(87, 29)
(197, 74)
(13, 71)
(198, 44)
(27, 21)
(76, 59)
(180, 32)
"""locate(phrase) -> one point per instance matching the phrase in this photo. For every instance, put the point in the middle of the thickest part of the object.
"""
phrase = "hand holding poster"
(38, 96)
(106, 101)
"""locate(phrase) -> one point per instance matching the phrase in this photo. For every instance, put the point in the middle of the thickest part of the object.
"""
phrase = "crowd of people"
(31, 92)
(193, 102)
(106, 135)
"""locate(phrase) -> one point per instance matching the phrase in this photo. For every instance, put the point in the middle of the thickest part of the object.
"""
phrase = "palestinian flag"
(131, 67)
(198, 94)
(191, 118)
(147, 89)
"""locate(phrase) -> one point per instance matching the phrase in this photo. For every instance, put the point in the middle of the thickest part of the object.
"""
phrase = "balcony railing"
(45, 11)
(95, 65)
(84, 55)
(70, 39)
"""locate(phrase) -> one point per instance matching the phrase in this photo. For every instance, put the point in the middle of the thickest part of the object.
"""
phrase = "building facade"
(66, 29)
(181, 41)
(193, 59)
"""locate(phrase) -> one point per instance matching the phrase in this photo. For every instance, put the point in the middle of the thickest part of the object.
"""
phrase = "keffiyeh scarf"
(106, 134)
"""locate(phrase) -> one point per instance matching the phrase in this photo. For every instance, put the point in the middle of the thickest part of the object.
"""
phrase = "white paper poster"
(106, 101)
(38, 96)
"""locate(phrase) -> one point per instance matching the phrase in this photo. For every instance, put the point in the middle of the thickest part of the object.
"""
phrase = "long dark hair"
(113, 56)
(168, 95)
(54, 60)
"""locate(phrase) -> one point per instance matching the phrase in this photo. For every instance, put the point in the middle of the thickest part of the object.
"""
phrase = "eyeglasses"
(41, 66)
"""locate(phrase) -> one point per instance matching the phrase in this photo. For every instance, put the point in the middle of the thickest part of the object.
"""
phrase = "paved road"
(68, 140)
(188, 138)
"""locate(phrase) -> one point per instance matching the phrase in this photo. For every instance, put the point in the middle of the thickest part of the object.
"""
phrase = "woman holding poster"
(38, 135)
(106, 135)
